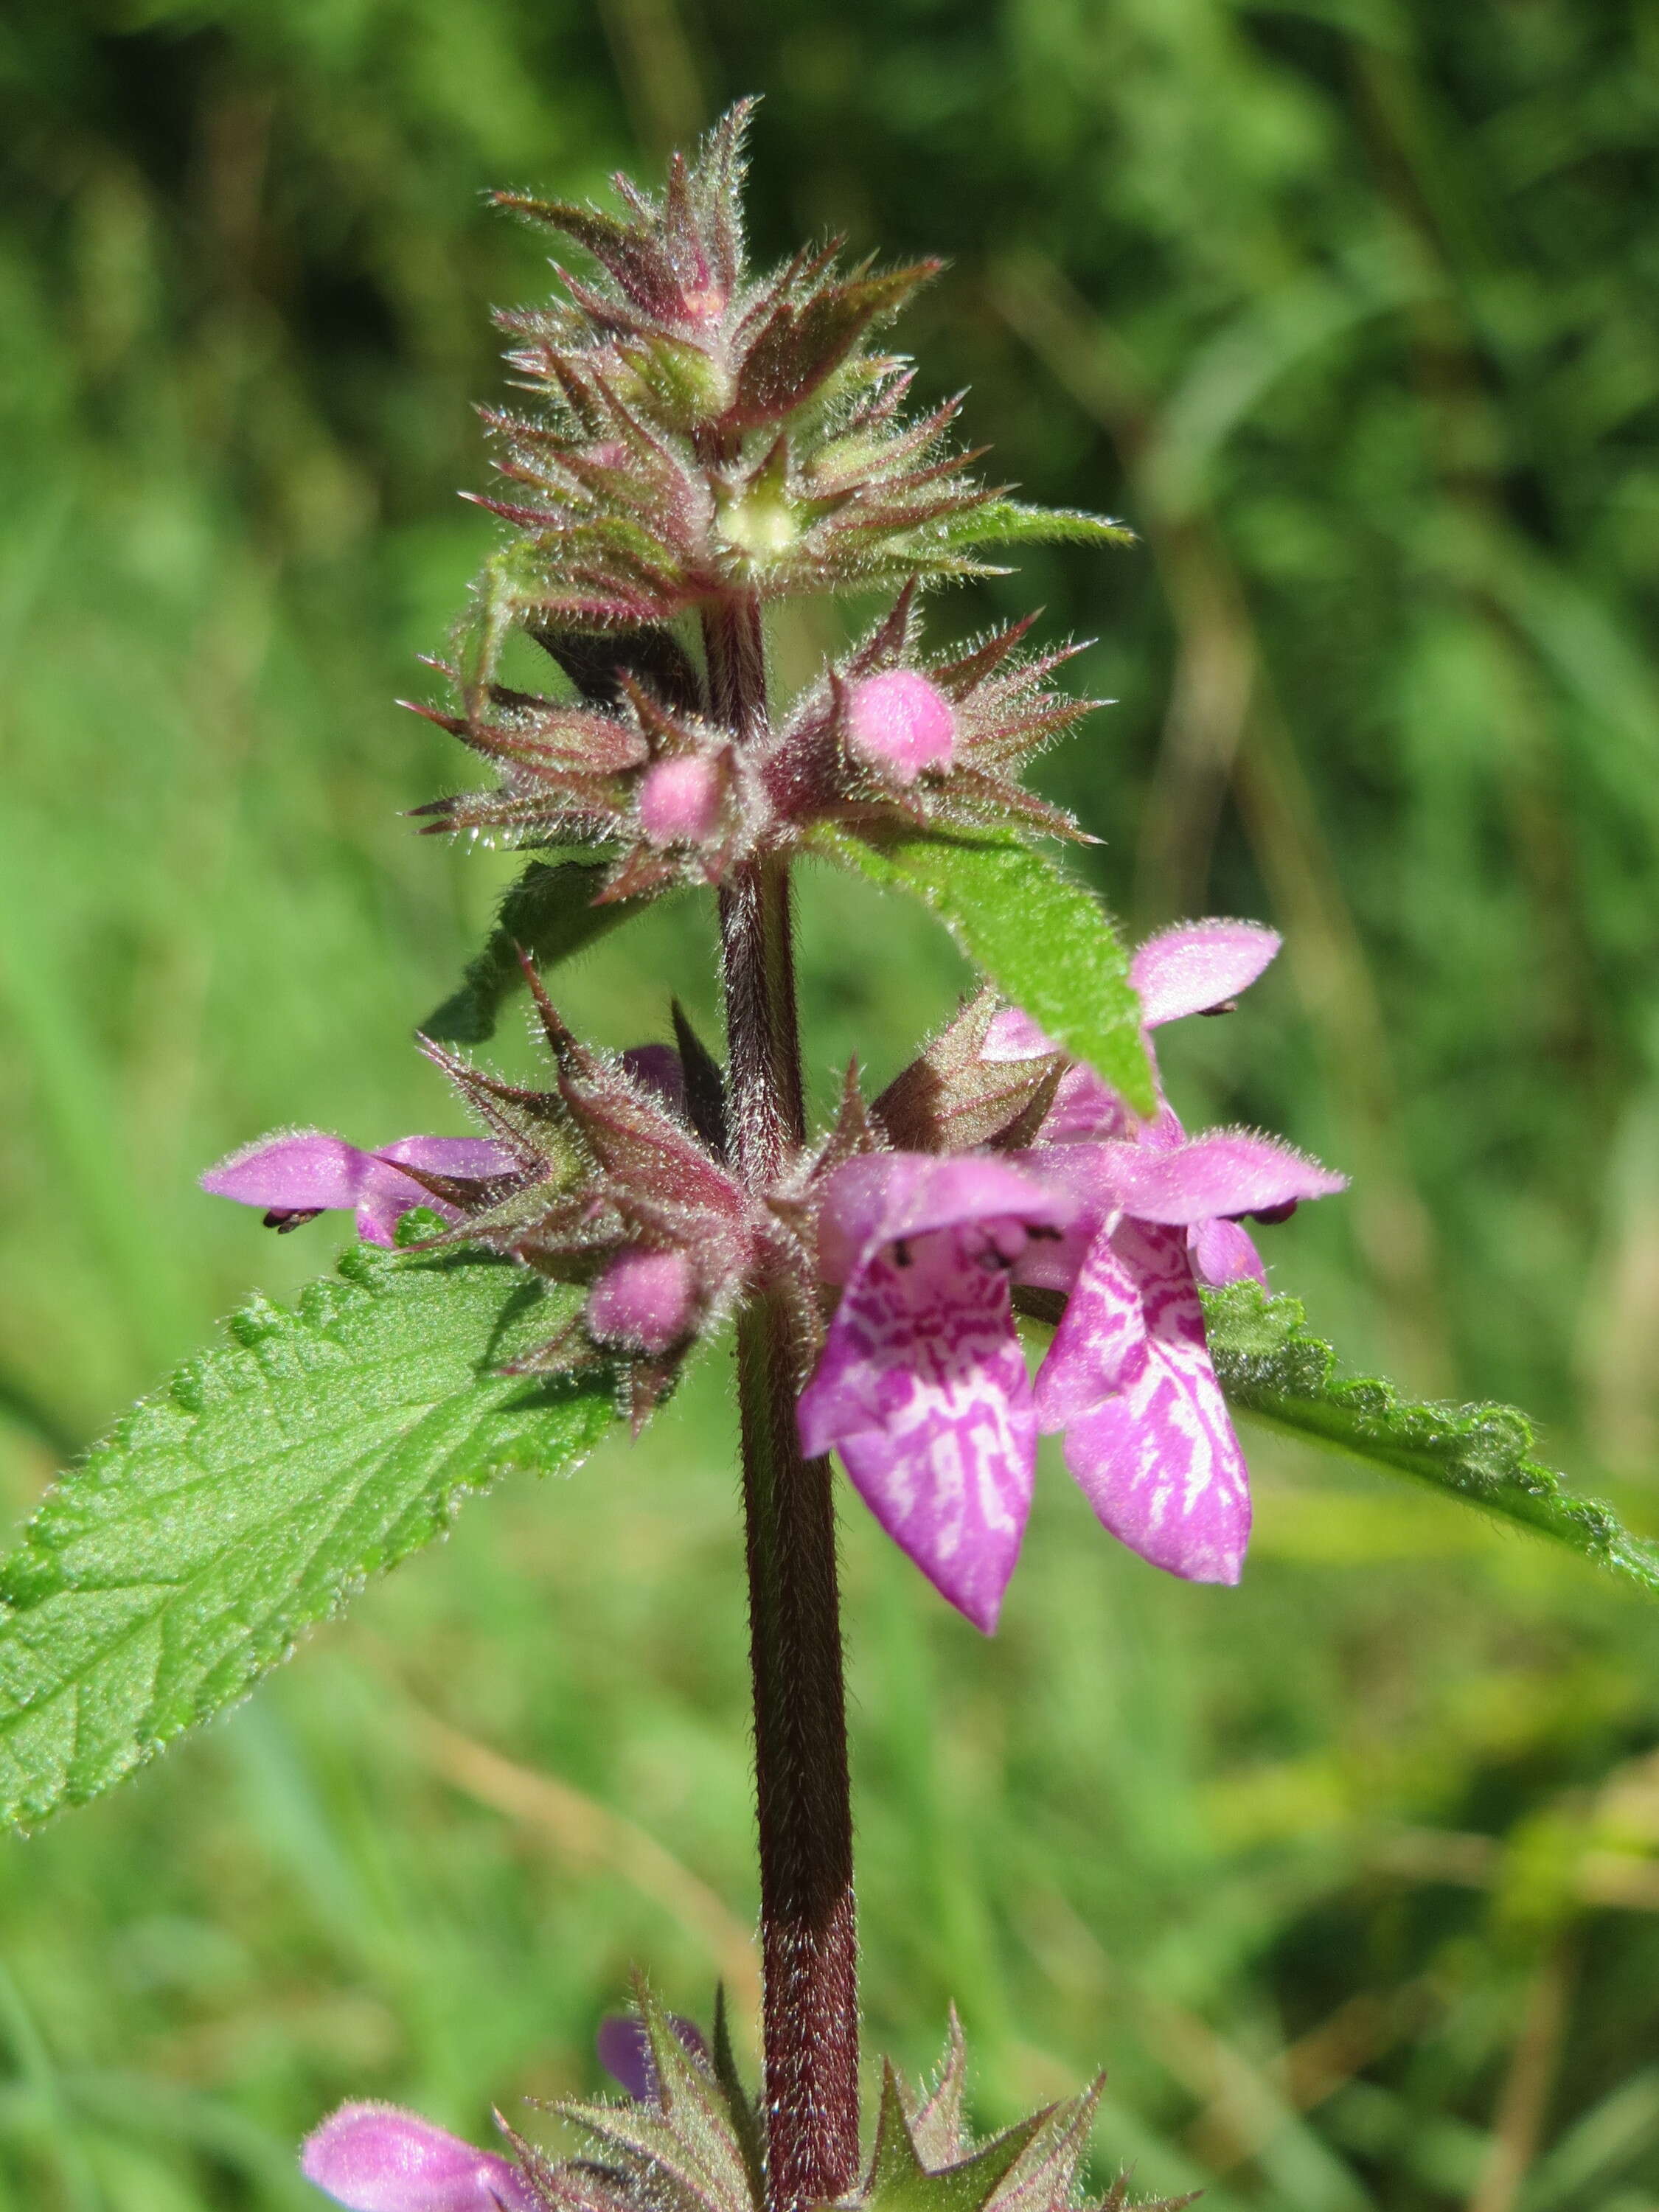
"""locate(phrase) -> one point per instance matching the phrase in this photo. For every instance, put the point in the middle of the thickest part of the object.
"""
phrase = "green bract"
(1012, 522)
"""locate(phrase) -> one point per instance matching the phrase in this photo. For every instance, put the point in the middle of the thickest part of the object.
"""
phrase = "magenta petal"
(922, 1389)
(1197, 965)
(1223, 1253)
(377, 2158)
(1158, 1460)
(884, 1196)
(901, 722)
(310, 1173)
(1050, 1263)
(474, 1156)
(624, 2050)
(1086, 1109)
(1225, 1172)
(387, 1196)
(660, 1068)
(1013, 1034)
(1083, 1106)
(680, 799)
(1100, 1342)
(305, 1173)
(383, 1199)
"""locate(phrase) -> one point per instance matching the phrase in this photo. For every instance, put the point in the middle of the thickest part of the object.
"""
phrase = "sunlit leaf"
(1011, 522)
(252, 1495)
(1273, 1366)
(1043, 939)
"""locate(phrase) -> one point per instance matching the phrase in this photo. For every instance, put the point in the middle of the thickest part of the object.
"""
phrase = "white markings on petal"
(922, 1389)
(1100, 1343)
(1158, 1458)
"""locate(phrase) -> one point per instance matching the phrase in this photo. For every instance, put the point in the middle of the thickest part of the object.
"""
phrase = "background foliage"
(1349, 307)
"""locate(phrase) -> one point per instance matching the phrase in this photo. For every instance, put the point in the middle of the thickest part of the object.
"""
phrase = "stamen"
(1269, 1217)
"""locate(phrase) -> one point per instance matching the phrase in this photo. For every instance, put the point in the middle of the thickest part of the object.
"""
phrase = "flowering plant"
(705, 442)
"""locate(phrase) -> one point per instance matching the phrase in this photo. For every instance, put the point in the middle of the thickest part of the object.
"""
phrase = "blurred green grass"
(1351, 1877)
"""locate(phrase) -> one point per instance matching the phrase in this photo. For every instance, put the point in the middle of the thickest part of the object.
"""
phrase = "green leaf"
(1043, 940)
(504, 587)
(1273, 1366)
(251, 1497)
(550, 911)
(1011, 522)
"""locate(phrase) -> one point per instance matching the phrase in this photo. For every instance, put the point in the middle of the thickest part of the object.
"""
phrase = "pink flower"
(378, 2158)
(922, 1386)
(660, 1069)
(1127, 1377)
(293, 1178)
(1199, 968)
(1196, 968)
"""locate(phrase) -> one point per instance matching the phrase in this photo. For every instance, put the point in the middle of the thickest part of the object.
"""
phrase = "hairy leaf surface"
(550, 911)
(1011, 522)
(250, 1496)
(1044, 941)
(1271, 1365)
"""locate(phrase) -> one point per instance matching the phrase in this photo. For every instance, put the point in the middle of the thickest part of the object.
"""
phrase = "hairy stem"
(808, 1928)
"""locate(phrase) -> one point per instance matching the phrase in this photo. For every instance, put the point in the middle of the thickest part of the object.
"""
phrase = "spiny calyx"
(889, 739)
(695, 2143)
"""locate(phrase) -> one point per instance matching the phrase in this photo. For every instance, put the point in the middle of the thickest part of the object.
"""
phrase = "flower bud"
(644, 1302)
(680, 799)
(375, 2158)
(900, 722)
(660, 1069)
(624, 2048)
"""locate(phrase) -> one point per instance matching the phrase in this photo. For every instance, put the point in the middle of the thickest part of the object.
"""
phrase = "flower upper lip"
(1223, 1173)
(866, 1205)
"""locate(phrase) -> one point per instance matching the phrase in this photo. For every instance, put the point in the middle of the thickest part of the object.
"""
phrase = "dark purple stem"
(809, 1938)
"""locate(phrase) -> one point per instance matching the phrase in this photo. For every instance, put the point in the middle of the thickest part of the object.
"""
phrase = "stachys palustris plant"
(699, 442)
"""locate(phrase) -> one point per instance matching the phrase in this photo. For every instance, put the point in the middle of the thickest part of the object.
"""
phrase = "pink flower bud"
(643, 1302)
(680, 799)
(660, 1069)
(901, 722)
(625, 2052)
